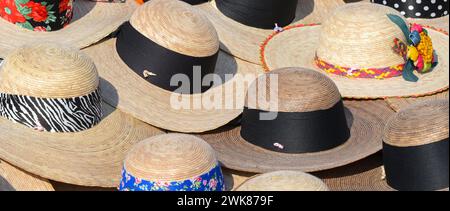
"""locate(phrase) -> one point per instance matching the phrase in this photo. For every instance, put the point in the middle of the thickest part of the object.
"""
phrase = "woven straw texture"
(357, 39)
(152, 104)
(92, 21)
(400, 103)
(243, 41)
(366, 120)
(170, 158)
(283, 181)
(93, 157)
(14, 179)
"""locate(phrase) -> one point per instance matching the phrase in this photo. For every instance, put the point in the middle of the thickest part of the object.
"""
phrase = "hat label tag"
(278, 145)
(147, 73)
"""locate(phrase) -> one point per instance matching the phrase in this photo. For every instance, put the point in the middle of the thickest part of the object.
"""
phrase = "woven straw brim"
(14, 179)
(151, 104)
(244, 42)
(441, 23)
(89, 158)
(366, 120)
(92, 22)
(400, 103)
(364, 175)
(234, 179)
(297, 48)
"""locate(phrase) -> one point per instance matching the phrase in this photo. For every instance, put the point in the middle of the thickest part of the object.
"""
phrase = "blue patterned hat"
(172, 162)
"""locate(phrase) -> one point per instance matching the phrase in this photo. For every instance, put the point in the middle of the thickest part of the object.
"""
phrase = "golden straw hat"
(91, 22)
(285, 144)
(421, 126)
(283, 181)
(243, 41)
(172, 162)
(360, 48)
(14, 179)
(179, 30)
(53, 122)
(400, 103)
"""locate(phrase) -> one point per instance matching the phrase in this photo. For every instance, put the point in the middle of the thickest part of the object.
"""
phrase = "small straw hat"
(173, 29)
(401, 103)
(172, 162)
(91, 22)
(13, 179)
(356, 46)
(54, 89)
(243, 40)
(294, 140)
(283, 181)
(416, 141)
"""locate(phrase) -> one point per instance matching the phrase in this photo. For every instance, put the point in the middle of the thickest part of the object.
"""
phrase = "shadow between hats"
(77, 14)
(111, 93)
(358, 167)
(5, 185)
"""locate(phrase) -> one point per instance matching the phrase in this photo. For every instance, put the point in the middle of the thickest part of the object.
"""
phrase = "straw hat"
(54, 89)
(283, 144)
(243, 41)
(400, 103)
(283, 181)
(176, 28)
(91, 22)
(172, 162)
(372, 36)
(419, 136)
(13, 179)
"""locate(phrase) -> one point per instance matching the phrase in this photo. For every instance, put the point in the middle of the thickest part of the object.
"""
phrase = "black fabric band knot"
(262, 14)
(418, 168)
(297, 132)
(158, 65)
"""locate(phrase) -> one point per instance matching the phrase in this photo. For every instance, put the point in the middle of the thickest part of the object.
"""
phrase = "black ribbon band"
(53, 115)
(158, 65)
(412, 9)
(418, 168)
(297, 132)
(259, 13)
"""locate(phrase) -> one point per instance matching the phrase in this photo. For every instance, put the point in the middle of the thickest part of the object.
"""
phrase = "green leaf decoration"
(23, 10)
(435, 59)
(44, 3)
(402, 24)
(26, 25)
(18, 2)
(408, 72)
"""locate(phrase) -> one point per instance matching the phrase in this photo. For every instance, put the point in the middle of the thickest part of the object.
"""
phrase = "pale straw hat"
(401, 103)
(91, 22)
(422, 127)
(283, 181)
(244, 41)
(172, 162)
(309, 93)
(178, 28)
(42, 78)
(357, 36)
(14, 179)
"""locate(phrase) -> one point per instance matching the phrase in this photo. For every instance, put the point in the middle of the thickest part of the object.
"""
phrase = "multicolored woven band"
(374, 73)
(210, 181)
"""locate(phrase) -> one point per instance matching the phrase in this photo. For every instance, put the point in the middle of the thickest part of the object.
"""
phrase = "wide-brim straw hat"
(92, 21)
(92, 157)
(427, 124)
(14, 179)
(189, 33)
(283, 181)
(299, 45)
(365, 120)
(244, 41)
(401, 103)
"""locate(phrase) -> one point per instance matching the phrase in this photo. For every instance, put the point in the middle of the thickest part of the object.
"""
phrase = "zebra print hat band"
(53, 114)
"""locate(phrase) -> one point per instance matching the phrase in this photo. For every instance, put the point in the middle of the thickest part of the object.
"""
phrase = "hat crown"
(420, 124)
(177, 26)
(360, 35)
(299, 90)
(284, 181)
(48, 71)
(170, 157)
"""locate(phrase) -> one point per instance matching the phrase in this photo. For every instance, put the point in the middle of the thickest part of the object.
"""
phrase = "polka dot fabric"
(418, 8)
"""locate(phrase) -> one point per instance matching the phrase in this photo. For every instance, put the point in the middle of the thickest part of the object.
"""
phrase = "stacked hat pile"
(245, 95)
